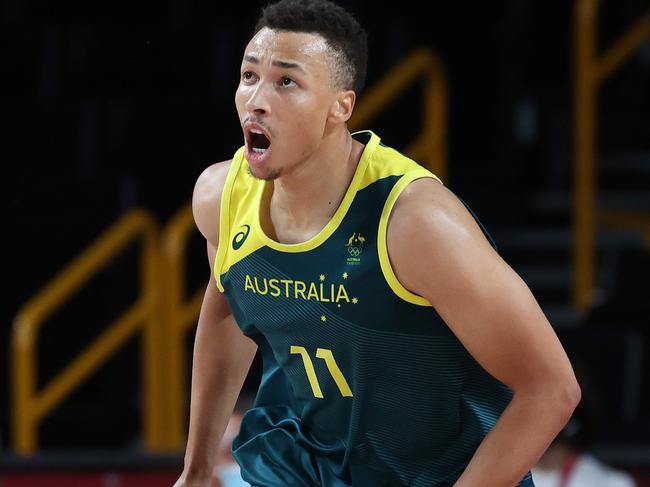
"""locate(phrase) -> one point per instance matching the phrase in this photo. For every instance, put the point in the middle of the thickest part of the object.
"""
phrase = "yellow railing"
(430, 147)
(628, 220)
(31, 406)
(181, 314)
(590, 71)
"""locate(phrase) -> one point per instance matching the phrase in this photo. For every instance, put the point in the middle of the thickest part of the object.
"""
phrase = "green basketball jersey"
(363, 383)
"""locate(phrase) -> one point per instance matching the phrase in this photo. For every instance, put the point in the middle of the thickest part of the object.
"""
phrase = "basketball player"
(398, 348)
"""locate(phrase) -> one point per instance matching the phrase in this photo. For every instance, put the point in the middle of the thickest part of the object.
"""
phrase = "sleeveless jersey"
(363, 384)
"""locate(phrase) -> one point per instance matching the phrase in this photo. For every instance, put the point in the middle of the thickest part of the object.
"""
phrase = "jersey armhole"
(224, 219)
(382, 237)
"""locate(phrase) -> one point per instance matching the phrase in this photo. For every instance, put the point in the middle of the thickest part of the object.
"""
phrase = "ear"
(341, 109)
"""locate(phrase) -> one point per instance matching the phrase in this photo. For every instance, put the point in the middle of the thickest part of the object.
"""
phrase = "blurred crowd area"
(109, 106)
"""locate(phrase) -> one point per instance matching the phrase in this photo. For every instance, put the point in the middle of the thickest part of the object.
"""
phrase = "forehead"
(309, 50)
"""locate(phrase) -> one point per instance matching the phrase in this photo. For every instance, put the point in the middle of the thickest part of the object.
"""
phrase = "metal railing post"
(590, 70)
(29, 405)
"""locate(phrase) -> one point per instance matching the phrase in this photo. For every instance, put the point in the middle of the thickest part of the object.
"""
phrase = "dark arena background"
(537, 113)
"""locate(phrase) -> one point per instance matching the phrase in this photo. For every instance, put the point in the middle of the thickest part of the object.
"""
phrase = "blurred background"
(536, 113)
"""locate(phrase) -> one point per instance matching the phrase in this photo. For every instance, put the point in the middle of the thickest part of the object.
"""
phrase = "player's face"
(283, 99)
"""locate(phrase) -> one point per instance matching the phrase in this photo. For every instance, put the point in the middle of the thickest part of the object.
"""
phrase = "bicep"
(217, 324)
(494, 314)
(484, 302)
(206, 200)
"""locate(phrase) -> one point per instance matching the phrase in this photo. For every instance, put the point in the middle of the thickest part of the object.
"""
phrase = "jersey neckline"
(339, 214)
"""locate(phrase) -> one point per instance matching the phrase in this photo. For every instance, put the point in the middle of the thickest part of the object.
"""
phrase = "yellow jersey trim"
(382, 247)
(387, 162)
(224, 220)
(357, 181)
(236, 189)
(241, 202)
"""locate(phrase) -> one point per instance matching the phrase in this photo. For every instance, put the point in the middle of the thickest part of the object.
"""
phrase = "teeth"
(254, 131)
(259, 150)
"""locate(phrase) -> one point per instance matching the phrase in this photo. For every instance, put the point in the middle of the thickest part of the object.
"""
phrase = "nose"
(257, 102)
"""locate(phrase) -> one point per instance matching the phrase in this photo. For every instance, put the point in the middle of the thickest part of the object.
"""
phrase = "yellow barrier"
(181, 314)
(589, 72)
(430, 147)
(31, 406)
(634, 220)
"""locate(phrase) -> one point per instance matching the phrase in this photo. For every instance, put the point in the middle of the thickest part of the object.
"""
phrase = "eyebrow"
(281, 64)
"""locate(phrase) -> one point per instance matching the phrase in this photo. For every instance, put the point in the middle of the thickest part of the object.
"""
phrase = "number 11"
(337, 375)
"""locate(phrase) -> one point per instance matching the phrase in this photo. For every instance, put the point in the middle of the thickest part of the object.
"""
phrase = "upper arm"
(438, 251)
(206, 204)
(206, 200)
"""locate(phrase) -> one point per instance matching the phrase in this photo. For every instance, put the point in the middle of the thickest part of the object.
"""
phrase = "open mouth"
(258, 141)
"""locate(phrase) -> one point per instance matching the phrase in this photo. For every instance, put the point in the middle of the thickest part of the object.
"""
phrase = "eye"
(248, 76)
(286, 81)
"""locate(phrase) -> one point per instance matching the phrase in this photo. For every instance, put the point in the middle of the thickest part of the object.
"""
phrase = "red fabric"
(567, 470)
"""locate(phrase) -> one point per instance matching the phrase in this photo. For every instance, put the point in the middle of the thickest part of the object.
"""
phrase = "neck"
(306, 197)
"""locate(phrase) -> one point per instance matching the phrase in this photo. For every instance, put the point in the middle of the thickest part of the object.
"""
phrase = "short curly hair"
(347, 40)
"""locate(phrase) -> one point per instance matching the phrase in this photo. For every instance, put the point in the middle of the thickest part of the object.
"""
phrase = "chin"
(266, 175)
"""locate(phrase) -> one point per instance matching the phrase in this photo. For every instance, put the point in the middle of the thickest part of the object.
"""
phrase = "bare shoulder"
(206, 199)
(427, 207)
(431, 232)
